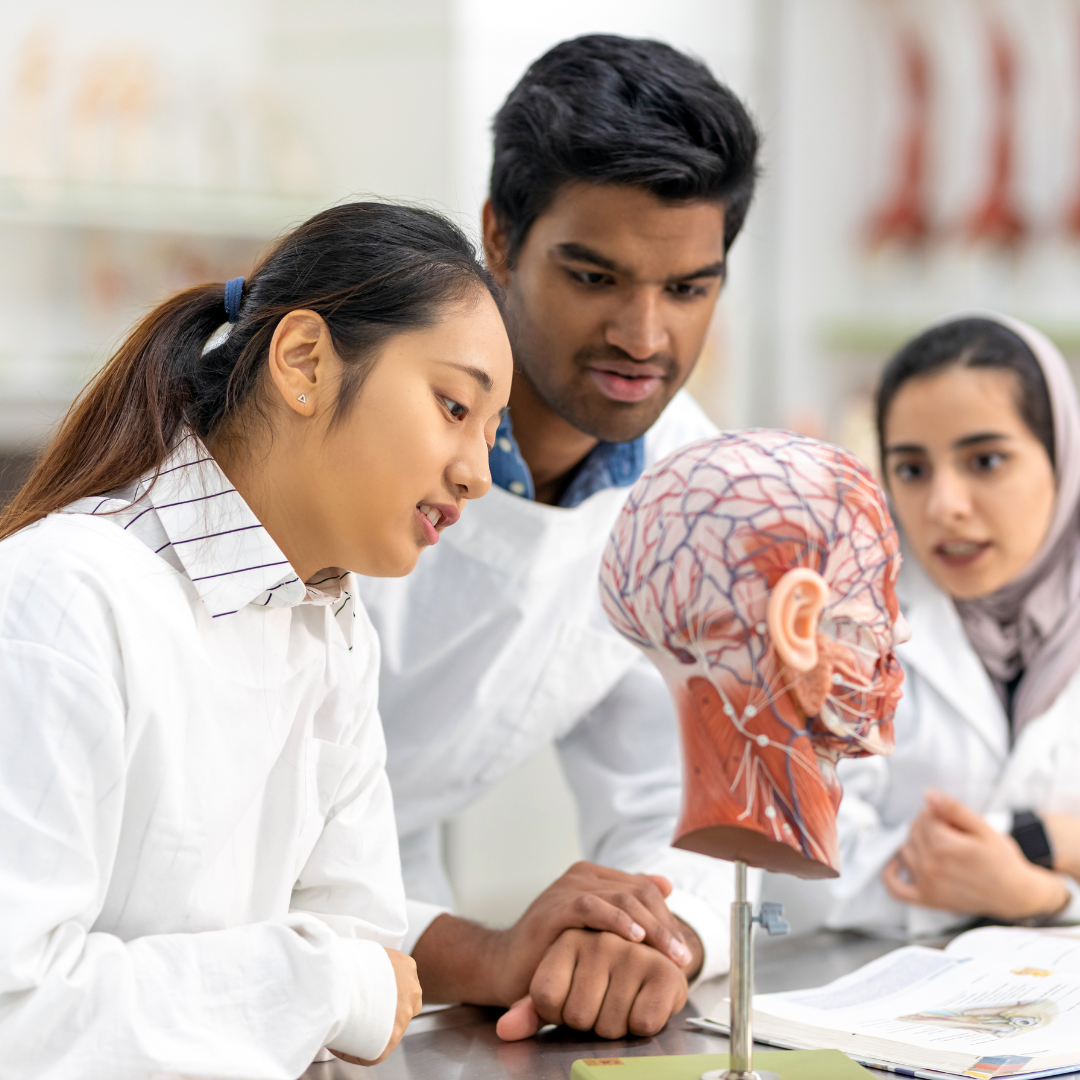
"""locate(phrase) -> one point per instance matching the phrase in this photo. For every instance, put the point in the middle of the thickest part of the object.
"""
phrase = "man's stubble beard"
(581, 404)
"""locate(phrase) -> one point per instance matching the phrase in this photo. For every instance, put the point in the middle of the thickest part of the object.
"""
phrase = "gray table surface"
(461, 1042)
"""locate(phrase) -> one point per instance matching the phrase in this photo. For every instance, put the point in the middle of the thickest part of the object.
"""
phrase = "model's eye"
(908, 471)
(454, 408)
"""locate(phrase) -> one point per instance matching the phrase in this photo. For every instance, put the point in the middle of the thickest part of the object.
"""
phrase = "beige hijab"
(1032, 623)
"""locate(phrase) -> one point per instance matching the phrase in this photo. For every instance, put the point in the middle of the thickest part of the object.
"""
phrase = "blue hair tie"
(234, 289)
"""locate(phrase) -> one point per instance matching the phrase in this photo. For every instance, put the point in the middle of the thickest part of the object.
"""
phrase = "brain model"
(703, 539)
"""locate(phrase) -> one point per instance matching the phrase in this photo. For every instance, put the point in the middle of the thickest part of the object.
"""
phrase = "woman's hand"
(955, 861)
(1064, 833)
(409, 1001)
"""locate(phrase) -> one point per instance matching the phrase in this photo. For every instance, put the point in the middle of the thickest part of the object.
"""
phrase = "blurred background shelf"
(153, 208)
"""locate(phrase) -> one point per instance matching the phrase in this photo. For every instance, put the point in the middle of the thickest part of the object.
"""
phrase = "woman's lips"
(444, 516)
(620, 387)
(959, 554)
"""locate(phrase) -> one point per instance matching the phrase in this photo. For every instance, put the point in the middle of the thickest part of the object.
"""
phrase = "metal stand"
(742, 980)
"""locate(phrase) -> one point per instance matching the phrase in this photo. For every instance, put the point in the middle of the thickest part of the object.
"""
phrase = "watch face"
(1028, 831)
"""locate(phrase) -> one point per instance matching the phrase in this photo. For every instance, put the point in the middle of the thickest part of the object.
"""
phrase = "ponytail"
(371, 270)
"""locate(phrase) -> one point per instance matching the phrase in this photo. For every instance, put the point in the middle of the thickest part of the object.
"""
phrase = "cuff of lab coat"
(1071, 914)
(713, 930)
(1001, 821)
(420, 915)
(367, 1027)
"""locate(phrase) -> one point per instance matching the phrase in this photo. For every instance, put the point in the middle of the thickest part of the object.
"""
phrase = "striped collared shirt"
(194, 518)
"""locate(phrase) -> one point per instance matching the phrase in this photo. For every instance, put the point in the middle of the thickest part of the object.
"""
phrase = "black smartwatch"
(1030, 833)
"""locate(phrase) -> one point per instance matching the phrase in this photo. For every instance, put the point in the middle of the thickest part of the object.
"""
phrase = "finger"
(589, 985)
(897, 887)
(550, 984)
(661, 883)
(952, 812)
(613, 1019)
(520, 1021)
(646, 905)
(660, 997)
(623, 913)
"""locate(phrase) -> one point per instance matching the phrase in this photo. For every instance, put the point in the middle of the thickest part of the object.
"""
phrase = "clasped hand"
(954, 860)
(599, 950)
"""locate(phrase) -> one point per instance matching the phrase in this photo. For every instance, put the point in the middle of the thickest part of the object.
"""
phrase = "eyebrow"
(581, 253)
(979, 437)
(960, 444)
(481, 376)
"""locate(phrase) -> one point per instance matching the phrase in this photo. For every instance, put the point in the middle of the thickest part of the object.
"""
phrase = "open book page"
(1050, 949)
(931, 1010)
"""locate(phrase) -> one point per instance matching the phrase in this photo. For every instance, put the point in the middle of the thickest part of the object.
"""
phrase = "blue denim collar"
(607, 465)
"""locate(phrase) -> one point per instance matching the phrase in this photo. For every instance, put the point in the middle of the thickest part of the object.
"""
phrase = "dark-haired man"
(622, 174)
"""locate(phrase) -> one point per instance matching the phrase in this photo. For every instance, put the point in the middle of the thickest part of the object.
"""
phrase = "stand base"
(728, 1074)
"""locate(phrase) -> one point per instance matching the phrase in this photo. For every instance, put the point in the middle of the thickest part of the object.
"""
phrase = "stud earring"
(302, 399)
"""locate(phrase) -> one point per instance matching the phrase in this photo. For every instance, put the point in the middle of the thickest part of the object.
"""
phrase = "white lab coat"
(497, 645)
(951, 734)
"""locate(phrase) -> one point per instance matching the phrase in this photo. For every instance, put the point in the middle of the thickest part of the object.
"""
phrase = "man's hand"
(460, 961)
(409, 1001)
(598, 982)
(955, 861)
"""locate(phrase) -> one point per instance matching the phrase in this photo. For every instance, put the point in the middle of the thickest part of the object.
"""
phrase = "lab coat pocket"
(327, 765)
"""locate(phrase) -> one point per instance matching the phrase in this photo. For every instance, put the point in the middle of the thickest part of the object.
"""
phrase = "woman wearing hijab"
(973, 816)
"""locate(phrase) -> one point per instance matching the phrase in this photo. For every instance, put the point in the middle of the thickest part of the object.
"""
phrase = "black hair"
(612, 110)
(371, 270)
(974, 343)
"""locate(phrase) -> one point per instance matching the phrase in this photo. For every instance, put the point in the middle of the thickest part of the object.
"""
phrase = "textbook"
(998, 1001)
(802, 1065)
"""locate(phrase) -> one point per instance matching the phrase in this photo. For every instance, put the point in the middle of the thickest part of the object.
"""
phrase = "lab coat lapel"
(546, 560)
(940, 651)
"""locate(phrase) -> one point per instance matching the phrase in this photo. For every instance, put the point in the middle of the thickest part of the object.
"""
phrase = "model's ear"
(496, 246)
(794, 610)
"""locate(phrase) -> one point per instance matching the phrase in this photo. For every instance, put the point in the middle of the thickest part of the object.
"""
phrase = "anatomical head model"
(757, 571)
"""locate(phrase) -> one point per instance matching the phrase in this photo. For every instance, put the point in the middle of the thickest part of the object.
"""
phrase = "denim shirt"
(606, 465)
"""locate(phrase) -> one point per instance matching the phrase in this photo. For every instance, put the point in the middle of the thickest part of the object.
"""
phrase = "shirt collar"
(224, 548)
(606, 465)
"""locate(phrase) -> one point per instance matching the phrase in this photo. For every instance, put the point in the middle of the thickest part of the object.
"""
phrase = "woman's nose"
(470, 473)
(950, 499)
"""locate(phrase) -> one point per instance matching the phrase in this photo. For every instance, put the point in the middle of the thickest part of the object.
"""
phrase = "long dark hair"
(976, 343)
(371, 270)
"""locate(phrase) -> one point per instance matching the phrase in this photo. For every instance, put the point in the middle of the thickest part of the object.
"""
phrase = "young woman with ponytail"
(198, 863)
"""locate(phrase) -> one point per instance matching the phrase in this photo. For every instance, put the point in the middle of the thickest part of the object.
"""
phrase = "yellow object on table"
(787, 1064)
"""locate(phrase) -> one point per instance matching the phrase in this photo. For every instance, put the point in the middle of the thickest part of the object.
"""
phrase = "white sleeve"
(622, 762)
(860, 900)
(255, 1000)
(352, 879)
